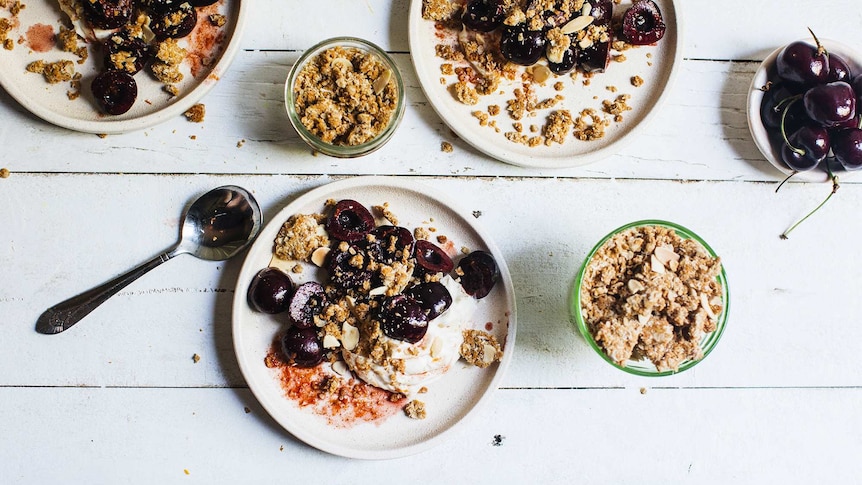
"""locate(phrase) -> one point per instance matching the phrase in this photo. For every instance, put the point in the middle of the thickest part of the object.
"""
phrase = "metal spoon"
(217, 226)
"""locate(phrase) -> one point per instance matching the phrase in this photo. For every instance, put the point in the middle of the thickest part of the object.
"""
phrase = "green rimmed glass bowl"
(645, 367)
(331, 149)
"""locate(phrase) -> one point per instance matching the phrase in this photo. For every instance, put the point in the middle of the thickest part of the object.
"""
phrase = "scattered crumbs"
(559, 86)
(246, 409)
(217, 19)
(186, 471)
(477, 214)
(196, 113)
(422, 390)
(281, 448)
(643, 390)
(193, 137)
(171, 89)
(447, 69)
(612, 89)
(442, 239)
(446, 147)
(637, 81)
(196, 358)
(4, 173)
(387, 214)
(465, 250)
(415, 409)
(498, 440)
(297, 269)
(494, 110)
(240, 143)
(649, 55)
(619, 58)
(102, 135)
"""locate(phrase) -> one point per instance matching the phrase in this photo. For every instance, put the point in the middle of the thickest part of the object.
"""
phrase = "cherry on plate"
(643, 23)
(431, 258)
(124, 45)
(478, 273)
(390, 244)
(348, 269)
(432, 297)
(115, 91)
(521, 45)
(350, 221)
(108, 14)
(402, 318)
(302, 347)
(483, 15)
(270, 291)
(174, 23)
(308, 300)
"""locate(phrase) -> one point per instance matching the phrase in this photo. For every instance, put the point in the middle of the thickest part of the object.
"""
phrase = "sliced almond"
(380, 290)
(319, 322)
(381, 81)
(585, 43)
(318, 257)
(673, 264)
(541, 73)
(706, 306)
(665, 254)
(340, 61)
(635, 286)
(349, 336)
(656, 265)
(330, 342)
(576, 24)
(644, 319)
(436, 347)
(489, 353)
(586, 9)
(341, 369)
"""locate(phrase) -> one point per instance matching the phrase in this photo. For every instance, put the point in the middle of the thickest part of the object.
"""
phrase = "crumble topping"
(480, 348)
(345, 96)
(648, 293)
(196, 113)
(54, 72)
(415, 409)
(446, 147)
(299, 236)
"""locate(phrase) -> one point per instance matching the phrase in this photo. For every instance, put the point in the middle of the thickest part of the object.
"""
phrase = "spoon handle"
(65, 314)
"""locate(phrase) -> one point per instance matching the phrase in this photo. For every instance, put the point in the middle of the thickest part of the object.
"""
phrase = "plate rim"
(561, 161)
(322, 192)
(114, 127)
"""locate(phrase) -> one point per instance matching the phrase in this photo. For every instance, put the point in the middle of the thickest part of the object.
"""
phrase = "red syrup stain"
(40, 37)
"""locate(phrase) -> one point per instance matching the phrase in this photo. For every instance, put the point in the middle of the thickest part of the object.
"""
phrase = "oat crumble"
(480, 348)
(415, 409)
(446, 147)
(196, 113)
(648, 293)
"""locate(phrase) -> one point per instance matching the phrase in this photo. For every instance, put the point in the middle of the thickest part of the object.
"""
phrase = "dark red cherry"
(847, 148)
(569, 61)
(830, 104)
(308, 300)
(602, 11)
(348, 269)
(202, 3)
(810, 145)
(174, 23)
(401, 318)
(596, 57)
(802, 63)
(521, 45)
(643, 23)
(838, 69)
(857, 88)
(302, 347)
(478, 273)
(483, 15)
(270, 291)
(115, 91)
(125, 52)
(350, 221)
(390, 244)
(108, 14)
(432, 296)
(776, 100)
(431, 258)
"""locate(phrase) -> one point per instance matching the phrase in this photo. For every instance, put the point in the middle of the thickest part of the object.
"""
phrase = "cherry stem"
(834, 189)
(821, 51)
(786, 179)
(791, 100)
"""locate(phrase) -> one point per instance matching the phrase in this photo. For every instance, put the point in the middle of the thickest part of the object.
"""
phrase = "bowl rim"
(709, 341)
(344, 151)
(758, 132)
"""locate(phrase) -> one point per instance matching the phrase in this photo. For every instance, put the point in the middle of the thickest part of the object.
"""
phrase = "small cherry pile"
(359, 249)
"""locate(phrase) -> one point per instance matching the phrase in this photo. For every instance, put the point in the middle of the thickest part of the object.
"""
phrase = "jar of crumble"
(344, 97)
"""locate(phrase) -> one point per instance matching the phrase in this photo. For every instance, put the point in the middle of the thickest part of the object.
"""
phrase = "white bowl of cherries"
(805, 109)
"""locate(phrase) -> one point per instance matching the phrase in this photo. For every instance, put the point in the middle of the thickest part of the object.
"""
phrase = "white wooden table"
(119, 399)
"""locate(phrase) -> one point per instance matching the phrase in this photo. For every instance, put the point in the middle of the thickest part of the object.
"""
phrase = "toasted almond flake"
(586, 9)
(381, 81)
(436, 347)
(340, 61)
(489, 353)
(340, 368)
(706, 306)
(380, 290)
(330, 342)
(541, 73)
(585, 43)
(318, 257)
(655, 264)
(635, 285)
(665, 254)
(576, 24)
(349, 336)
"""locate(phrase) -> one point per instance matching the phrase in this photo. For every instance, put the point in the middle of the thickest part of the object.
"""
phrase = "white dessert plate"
(51, 103)
(764, 73)
(450, 399)
(657, 65)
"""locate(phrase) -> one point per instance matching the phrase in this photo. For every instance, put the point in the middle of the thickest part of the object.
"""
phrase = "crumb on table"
(196, 113)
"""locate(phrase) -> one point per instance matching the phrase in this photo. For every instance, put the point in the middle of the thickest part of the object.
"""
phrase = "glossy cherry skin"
(302, 347)
(430, 258)
(308, 301)
(847, 147)
(838, 69)
(483, 15)
(350, 221)
(115, 91)
(402, 318)
(813, 141)
(643, 23)
(478, 273)
(270, 291)
(776, 101)
(800, 62)
(108, 14)
(830, 104)
(432, 296)
(522, 46)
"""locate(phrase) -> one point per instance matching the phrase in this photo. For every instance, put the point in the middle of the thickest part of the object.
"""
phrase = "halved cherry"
(131, 52)
(308, 300)
(302, 347)
(479, 273)
(390, 244)
(350, 221)
(401, 318)
(431, 258)
(115, 91)
(174, 23)
(108, 14)
(432, 296)
(348, 269)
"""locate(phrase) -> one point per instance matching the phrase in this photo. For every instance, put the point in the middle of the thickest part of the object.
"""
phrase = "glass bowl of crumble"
(651, 298)
(344, 97)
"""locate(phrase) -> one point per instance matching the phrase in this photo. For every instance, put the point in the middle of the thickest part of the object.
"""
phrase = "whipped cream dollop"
(407, 366)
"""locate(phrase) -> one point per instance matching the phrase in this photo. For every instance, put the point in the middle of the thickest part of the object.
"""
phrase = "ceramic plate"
(657, 65)
(764, 73)
(50, 101)
(449, 400)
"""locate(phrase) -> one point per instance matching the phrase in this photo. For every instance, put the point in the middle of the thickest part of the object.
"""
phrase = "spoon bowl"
(216, 226)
